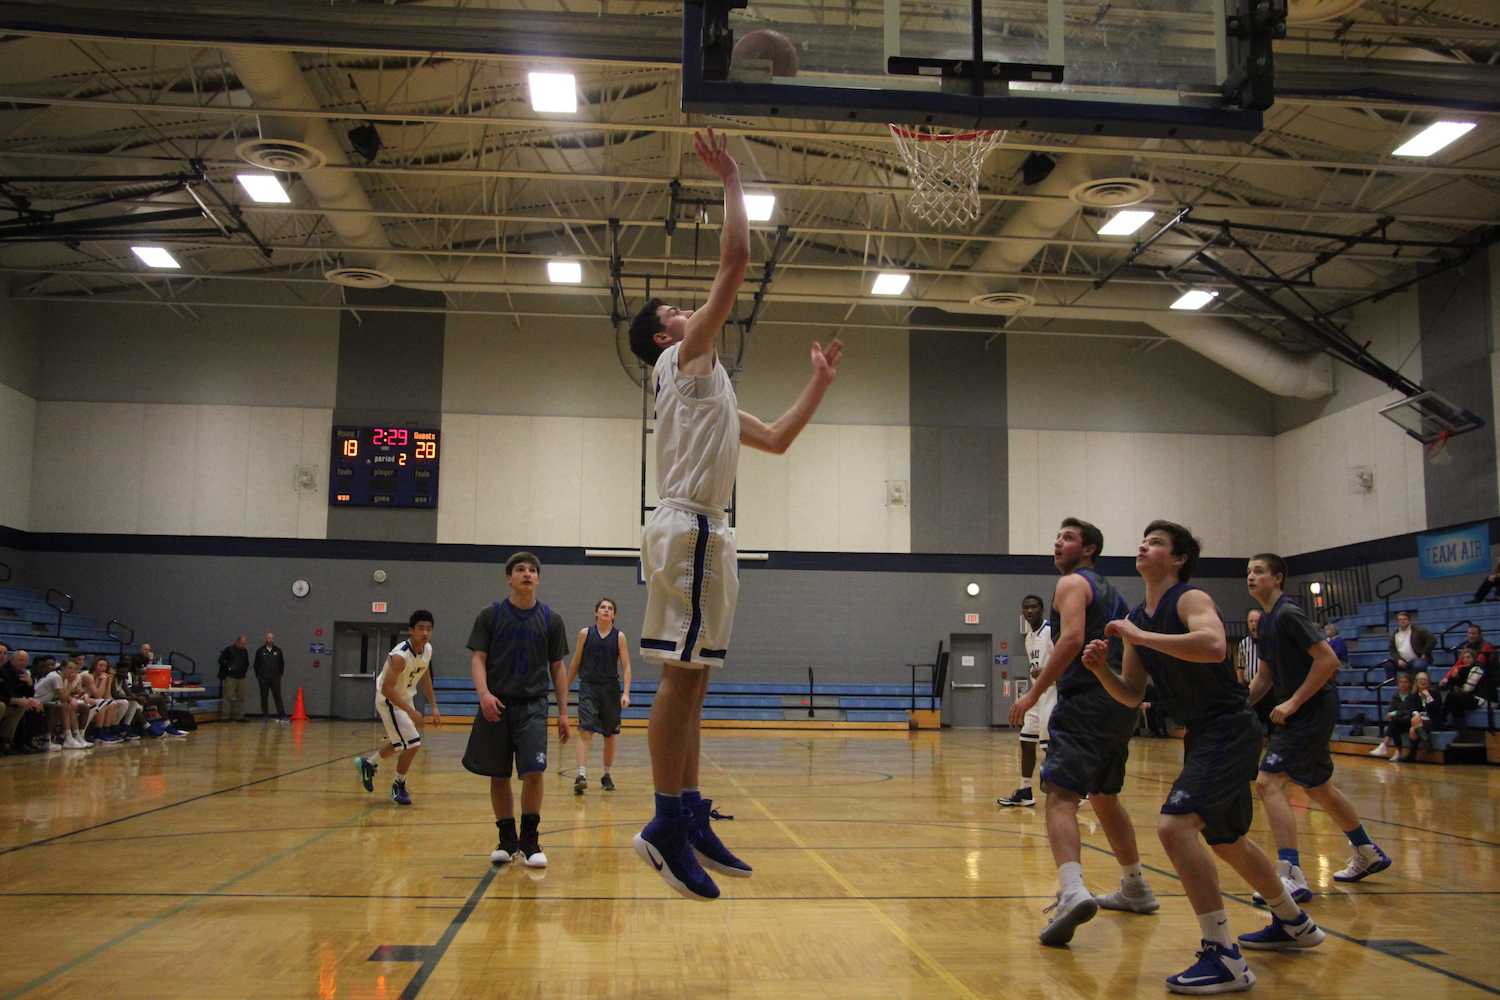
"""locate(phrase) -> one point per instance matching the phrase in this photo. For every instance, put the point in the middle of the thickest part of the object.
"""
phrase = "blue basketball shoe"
(707, 845)
(1218, 970)
(366, 772)
(663, 845)
(1281, 935)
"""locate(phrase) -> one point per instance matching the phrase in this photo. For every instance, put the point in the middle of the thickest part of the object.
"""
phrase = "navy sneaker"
(607, 783)
(709, 848)
(366, 772)
(663, 845)
(1280, 935)
(1218, 970)
(398, 793)
(1363, 864)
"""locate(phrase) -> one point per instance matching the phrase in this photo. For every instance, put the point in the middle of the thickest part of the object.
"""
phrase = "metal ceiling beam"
(407, 30)
(1463, 222)
(552, 126)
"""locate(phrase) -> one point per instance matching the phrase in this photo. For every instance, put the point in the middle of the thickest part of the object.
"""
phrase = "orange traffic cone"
(299, 711)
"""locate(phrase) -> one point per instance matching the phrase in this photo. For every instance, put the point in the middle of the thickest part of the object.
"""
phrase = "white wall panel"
(763, 499)
(221, 478)
(111, 450)
(504, 494)
(17, 448)
(458, 471)
(1025, 491)
(317, 444)
(169, 451)
(610, 477)
(59, 466)
(554, 480)
(813, 490)
(273, 452)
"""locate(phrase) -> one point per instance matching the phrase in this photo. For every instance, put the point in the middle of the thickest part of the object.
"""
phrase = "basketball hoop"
(1437, 449)
(944, 170)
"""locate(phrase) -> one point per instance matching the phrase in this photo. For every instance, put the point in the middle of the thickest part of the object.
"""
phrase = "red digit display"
(377, 436)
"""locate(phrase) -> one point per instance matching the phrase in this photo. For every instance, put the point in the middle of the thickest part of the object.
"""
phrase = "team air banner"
(1461, 552)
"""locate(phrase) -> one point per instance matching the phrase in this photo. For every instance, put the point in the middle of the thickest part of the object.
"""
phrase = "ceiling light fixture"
(890, 283)
(1433, 138)
(1125, 221)
(564, 272)
(758, 207)
(156, 257)
(264, 188)
(553, 93)
(1195, 298)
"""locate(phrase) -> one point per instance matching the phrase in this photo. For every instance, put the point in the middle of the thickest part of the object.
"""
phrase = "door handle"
(957, 686)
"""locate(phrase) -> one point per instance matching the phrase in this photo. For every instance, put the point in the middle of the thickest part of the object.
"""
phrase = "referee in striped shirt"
(1247, 662)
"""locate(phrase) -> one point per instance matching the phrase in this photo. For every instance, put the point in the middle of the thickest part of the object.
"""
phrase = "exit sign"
(377, 607)
(971, 618)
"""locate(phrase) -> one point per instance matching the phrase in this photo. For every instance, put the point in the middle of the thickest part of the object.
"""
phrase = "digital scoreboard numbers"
(384, 467)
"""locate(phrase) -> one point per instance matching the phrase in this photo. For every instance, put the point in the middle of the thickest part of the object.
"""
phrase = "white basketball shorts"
(1035, 725)
(692, 585)
(400, 731)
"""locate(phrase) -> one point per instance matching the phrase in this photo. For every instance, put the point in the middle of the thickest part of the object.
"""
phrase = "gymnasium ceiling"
(470, 186)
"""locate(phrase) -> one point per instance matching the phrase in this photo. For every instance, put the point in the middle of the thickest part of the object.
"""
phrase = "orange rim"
(928, 137)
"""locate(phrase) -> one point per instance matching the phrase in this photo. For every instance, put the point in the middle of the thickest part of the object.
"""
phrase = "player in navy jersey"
(1175, 638)
(1089, 736)
(516, 645)
(603, 654)
(1297, 671)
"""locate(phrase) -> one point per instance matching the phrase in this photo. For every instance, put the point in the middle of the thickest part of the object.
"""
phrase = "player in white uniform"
(407, 666)
(687, 553)
(1034, 728)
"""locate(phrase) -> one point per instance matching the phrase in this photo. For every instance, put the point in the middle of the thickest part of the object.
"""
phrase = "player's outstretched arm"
(734, 251)
(777, 437)
(1128, 687)
(1203, 642)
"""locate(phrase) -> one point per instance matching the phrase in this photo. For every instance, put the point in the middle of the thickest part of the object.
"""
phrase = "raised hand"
(713, 151)
(825, 360)
(1096, 655)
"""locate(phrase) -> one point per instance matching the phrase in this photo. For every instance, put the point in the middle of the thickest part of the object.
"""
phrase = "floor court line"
(922, 955)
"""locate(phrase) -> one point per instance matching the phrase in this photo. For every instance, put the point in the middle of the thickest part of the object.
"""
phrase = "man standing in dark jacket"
(270, 664)
(234, 665)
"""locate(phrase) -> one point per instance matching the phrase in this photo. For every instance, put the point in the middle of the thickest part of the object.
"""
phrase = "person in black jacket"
(270, 664)
(234, 665)
(1426, 715)
(1397, 718)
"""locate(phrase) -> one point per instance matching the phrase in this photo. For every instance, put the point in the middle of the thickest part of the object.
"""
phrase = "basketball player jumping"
(1089, 737)
(687, 552)
(1034, 728)
(1176, 637)
(1297, 668)
(395, 693)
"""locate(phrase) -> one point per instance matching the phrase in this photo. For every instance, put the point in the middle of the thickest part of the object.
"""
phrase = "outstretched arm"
(734, 251)
(777, 437)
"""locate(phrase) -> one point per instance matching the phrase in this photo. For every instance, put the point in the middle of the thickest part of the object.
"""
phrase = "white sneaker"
(1068, 912)
(1292, 880)
(1141, 901)
(74, 743)
(1380, 750)
(53, 746)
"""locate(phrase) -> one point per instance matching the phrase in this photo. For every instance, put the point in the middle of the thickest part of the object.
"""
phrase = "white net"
(944, 170)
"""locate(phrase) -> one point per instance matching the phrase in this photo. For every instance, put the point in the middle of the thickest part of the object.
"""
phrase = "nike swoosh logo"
(651, 856)
(1188, 980)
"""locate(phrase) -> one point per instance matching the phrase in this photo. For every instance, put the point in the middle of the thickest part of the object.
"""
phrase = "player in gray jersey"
(687, 549)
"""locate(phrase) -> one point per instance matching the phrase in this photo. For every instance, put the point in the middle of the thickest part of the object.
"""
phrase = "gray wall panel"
(1455, 311)
(390, 371)
(960, 445)
(849, 626)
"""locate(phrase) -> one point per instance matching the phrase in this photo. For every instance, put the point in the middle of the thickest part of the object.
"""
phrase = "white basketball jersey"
(697, 436)
(416, 666)
(1038, 647)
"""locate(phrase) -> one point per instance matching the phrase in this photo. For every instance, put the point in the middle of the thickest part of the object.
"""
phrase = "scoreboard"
(383, 467)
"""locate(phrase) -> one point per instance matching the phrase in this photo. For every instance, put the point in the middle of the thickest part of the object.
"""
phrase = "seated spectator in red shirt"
(1459, 687)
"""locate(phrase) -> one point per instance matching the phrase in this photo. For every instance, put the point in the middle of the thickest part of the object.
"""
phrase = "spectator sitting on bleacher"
(1484, 653)
(110, 711)
(134, 719)
(63, 688)
(1411, 645)
(1486, 585)
(1426, 716)
(1459, 690)
(1397, 718)
(1336, 643)
(25, 719)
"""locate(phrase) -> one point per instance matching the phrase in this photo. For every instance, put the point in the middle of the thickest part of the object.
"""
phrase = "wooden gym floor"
(247, 862)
